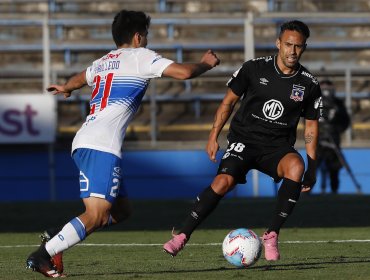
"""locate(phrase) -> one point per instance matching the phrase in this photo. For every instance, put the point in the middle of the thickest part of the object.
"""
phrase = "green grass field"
(327, 237)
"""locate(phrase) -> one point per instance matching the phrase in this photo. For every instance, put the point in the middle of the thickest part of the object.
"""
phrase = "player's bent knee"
(298, 168)
(292, 167)
(294, 171)
(222, 184)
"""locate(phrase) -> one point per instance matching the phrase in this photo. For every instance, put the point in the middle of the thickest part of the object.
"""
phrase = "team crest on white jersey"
(273, 109)
(297, 93)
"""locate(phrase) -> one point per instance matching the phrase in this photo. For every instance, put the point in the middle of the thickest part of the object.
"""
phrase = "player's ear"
(278, 42)
(304, 47)
(136, 39)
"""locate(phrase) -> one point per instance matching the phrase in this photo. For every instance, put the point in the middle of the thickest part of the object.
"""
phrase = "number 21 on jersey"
(104, 92)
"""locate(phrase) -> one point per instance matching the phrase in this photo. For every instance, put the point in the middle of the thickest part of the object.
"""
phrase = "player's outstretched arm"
(183, 71)
(75, 82)
(311, 138)
(223, 113)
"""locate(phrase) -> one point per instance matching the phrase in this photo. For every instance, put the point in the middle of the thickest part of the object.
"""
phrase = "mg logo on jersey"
(297, 93)
(273, 109)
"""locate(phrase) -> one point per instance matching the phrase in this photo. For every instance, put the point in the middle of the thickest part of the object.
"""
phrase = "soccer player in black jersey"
(275, 92)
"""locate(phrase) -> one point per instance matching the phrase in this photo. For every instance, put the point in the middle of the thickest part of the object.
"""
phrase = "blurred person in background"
(275, 92)
(119, 81)
(333, 122)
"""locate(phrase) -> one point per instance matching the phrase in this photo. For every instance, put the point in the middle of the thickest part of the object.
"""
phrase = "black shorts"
(239, 158)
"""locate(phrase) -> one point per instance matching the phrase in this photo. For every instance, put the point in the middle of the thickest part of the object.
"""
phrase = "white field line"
(192, 244)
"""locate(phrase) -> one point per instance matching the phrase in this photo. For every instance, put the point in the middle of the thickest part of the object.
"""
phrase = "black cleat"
(39, 261)
(48, 234)
(57, 260)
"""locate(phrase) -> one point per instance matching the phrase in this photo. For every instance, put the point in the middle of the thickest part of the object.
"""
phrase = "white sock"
(71, 234)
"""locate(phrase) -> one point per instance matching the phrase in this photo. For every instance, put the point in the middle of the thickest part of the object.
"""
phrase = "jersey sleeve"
(238, 82)
(313, 106)
(90, 75)
(152, 64)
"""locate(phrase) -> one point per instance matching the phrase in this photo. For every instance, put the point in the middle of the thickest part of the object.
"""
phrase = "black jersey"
(272, 102)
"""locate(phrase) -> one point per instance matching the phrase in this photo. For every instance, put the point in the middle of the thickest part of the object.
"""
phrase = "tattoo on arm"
(308, 138)
(225, 111)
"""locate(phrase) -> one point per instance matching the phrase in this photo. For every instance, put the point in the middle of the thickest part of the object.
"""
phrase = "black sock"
(288, 196)
(42, 252)
(53, 231)
(206, 202)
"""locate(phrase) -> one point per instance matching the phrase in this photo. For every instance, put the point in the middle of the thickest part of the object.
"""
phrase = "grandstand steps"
(181, 6)
(177, 121)
(181, 30)
(199, 132)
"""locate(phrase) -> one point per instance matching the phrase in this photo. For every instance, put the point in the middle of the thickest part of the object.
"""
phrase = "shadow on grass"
(270, 267)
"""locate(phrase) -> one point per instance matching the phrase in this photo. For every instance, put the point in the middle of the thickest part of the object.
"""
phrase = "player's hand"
(309, 178)
(57, 89)
(210, 58)
(212, 149)
(305, 189)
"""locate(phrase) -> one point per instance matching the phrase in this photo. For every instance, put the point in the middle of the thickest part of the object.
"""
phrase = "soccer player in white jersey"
(119, 80)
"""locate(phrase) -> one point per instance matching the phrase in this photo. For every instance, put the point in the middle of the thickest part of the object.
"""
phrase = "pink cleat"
(270, 242)
(176, 244)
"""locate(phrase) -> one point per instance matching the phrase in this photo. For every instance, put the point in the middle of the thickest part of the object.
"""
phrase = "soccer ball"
(242, 247)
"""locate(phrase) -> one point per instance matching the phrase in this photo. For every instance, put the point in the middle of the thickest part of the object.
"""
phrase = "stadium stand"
(79, 32)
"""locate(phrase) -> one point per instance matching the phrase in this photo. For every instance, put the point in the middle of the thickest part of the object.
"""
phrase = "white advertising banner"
(27, 118)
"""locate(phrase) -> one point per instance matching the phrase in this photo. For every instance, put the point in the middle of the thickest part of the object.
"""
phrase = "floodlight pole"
(45, 52)
(249, 37)
(249, 54)
(45, 84)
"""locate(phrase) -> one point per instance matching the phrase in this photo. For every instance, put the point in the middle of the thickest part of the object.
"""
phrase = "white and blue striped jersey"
(119, 81)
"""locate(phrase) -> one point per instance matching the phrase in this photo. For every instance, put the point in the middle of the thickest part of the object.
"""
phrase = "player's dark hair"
(295, 25)
(126, 24)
